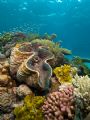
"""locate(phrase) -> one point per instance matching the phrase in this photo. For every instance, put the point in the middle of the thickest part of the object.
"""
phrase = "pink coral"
(59, 105)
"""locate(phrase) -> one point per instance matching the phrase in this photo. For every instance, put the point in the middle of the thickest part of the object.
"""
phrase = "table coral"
(31, 109)
(59, 105)
(65, 73)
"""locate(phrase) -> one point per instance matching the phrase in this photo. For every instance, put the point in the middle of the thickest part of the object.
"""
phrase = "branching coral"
(82, 91)
(31, 109)
(59, 105)
(64, 73)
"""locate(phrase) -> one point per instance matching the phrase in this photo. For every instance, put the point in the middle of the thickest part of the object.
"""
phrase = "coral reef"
(49, 37)
(26, 64)
(55, 49)
(65, 73)
(54, 84)
(82, 92)
(83, 69)
(7, 99)
(31, 109)
(7, 116)
(88, 117)
(5, 78)
(59, 105)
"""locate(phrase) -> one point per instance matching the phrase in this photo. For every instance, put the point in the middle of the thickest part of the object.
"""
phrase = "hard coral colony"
(28, 72)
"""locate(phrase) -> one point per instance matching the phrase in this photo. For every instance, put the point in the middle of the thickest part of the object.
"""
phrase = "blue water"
(69, 19)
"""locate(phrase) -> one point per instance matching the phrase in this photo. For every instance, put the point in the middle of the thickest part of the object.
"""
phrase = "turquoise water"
(69, 19)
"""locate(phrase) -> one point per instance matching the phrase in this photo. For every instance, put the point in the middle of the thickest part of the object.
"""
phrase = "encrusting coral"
(31, 109)
(5, 78)
(82, 91)
(65, 73)
(59, 105)
(7, 99)
(23, 90)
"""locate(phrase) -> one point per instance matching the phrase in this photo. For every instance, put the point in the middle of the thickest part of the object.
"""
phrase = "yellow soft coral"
(64, 73)
(31, 110)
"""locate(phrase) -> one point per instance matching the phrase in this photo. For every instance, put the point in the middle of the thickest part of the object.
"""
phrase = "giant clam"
(29, 64)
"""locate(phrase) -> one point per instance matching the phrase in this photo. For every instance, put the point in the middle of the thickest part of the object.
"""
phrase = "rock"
(23, 90)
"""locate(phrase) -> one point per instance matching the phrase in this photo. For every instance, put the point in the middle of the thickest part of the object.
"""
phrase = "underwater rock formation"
(29, 64)
(59, 105)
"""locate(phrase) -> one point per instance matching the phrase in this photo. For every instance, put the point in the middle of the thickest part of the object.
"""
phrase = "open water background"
(69, 19)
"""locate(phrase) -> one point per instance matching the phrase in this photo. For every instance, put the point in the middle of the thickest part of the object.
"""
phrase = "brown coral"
(7, 98)
(5, 78)
(59, 105)
(23, 90)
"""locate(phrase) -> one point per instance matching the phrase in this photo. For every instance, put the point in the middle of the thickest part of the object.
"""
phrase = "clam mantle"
(30, 64)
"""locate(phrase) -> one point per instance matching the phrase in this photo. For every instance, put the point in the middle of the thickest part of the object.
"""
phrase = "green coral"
(31, 110)
(54, 47)
(49, 37)
(64, 73)
(33, 36)
(6, 37)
